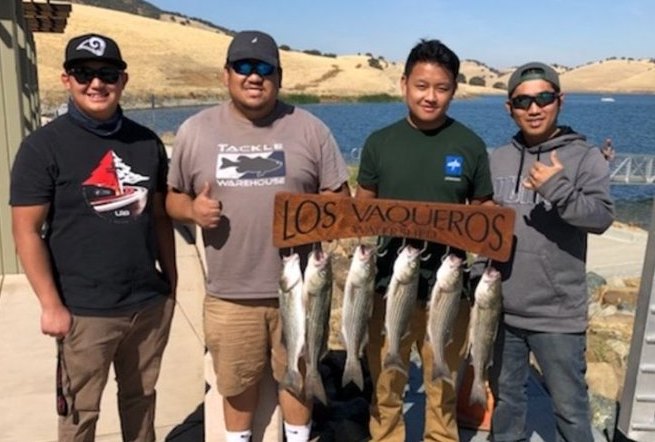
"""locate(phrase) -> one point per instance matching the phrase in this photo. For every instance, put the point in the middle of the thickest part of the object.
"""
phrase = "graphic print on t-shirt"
(250, 165)
(453, 167)
(110, 189)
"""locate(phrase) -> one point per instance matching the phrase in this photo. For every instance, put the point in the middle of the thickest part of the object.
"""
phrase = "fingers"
(555, 160)
(206, 189)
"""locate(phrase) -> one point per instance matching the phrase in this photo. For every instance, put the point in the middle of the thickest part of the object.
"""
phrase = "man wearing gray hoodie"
(558, 184)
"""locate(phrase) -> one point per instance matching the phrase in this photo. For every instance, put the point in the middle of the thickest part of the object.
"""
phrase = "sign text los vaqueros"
(305, 218)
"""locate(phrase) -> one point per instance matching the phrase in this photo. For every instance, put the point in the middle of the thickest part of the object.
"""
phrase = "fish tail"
(392, 361)
(293, 382)
(478, 394)
(228, 163)
(353, 373)
(314, 386)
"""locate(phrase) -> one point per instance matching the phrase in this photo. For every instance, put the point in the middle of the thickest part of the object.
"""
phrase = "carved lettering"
(307, 218)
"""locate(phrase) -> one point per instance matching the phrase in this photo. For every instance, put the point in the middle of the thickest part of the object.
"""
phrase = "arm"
(363, 192)
(26, 228)
(343, 190)
(585, 203)
(165, 240)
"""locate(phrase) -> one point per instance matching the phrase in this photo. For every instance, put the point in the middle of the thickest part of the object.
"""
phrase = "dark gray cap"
(253, 45)
(533, 71)
(93, 47)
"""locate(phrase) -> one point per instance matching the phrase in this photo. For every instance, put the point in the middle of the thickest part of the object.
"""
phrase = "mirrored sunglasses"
(542, 99)
(247, 67)
(84, 75)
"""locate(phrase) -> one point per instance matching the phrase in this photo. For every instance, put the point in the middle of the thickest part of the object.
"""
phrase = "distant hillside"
(161, 64)
(147, 9)
(137, 7)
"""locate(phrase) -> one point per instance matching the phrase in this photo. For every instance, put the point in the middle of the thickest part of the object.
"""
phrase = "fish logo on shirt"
(258, 165)
(453, 165)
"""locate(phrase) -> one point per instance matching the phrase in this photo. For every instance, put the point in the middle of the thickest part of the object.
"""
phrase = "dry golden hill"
(612, 76)
(179, 63)
(175, 62)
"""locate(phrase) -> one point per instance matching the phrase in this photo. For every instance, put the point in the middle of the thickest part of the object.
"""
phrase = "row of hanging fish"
(305, 309)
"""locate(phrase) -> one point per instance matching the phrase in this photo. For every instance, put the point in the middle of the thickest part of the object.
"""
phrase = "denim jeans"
(561, 357)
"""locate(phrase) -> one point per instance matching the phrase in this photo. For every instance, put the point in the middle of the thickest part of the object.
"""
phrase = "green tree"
(477, 81)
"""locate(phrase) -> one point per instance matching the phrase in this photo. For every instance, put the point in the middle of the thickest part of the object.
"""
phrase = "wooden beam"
(45, 24)
(46, 10)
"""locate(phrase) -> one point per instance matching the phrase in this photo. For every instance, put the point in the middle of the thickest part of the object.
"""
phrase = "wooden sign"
(306, 218)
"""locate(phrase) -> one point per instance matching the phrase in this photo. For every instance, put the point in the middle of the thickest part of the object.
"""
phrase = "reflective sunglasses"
(85, 75)
(247, 67)
(542, 99)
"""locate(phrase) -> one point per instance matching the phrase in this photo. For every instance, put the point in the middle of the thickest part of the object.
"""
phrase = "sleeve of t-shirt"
(177, 177)
(332, 168)
(33, 177)
(368, 173)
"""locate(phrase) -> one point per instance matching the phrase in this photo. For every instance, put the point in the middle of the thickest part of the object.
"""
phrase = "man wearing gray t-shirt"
(228, 163)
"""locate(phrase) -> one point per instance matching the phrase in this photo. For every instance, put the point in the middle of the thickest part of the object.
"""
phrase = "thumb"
(206, 188)
(554, 159)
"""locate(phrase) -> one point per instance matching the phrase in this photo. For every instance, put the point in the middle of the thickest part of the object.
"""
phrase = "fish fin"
(393, 362)
(293, 382)
(441, 372)
(314, 386)
(362, 346)
(352, 372)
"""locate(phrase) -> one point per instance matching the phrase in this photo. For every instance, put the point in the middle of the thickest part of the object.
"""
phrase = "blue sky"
(500, 33)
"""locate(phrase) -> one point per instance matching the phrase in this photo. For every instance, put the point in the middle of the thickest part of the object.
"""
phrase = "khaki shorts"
(242, 336)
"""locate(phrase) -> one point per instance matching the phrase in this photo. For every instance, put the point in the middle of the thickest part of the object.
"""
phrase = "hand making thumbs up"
(206, 210)
(540, 172)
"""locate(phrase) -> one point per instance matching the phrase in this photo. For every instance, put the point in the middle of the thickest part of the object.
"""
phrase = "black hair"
(433, 51)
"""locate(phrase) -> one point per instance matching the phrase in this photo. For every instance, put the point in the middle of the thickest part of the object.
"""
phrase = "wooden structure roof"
(46, 17)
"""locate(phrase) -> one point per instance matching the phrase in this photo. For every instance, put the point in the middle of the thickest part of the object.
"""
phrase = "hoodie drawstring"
(518, 175)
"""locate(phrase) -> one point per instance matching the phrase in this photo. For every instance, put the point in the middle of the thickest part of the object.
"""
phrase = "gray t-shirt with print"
(246, 164)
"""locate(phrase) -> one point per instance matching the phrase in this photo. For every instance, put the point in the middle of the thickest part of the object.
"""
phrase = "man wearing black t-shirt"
(87, 197)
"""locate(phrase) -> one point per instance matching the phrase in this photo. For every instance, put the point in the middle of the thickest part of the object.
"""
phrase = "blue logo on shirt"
(453, 165)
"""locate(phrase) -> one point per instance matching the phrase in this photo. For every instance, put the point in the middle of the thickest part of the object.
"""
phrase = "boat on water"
(607, 99)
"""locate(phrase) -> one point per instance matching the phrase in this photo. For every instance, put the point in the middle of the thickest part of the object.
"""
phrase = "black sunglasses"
(84, 75)
(542, 99)
(247, 67)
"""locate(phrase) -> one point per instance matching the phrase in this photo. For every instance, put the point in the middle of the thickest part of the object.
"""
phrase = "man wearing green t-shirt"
(426, 156)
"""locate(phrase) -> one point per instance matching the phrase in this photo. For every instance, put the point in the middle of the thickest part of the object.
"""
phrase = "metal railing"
(632, 169)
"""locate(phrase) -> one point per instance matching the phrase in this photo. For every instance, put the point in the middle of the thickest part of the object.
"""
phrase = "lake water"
(629, 120)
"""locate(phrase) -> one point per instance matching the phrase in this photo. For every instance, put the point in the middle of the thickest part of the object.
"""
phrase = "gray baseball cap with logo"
(533, 71)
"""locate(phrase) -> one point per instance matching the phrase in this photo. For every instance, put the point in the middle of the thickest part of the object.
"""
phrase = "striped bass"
(482, 331)
(401, 301)
(357, 308)
(317, 287)
(292, 315)
(442, 311)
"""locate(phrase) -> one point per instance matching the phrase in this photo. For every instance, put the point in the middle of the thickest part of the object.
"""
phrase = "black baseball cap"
(533, 71)
(93, 47)
(253, 45)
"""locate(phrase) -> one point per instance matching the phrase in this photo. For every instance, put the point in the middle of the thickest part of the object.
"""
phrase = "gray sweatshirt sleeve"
(585, 202)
